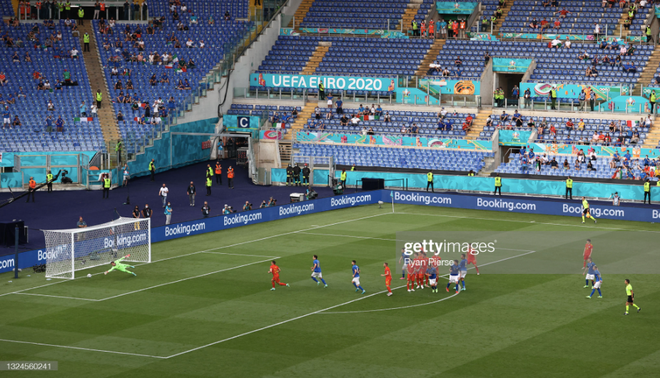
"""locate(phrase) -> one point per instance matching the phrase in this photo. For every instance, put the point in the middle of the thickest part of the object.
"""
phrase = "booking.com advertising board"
(201, 226)
(329, 82)
(472, 202)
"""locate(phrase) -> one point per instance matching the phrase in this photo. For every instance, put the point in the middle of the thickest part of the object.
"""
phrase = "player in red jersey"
(425, 266)
(588, 248)
(472, 259)
(421, 271)
(412, 276)
(388, 279)
(275, 271)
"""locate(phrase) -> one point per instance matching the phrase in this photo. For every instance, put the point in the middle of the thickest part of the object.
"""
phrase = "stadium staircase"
(624, 32)
(479, 123)
(410, 13)
(286, 143)
(430, 57)
(300, 14)
(316, 58)
(648, 72)
(652, 137)
(97, 81)
(505, 13)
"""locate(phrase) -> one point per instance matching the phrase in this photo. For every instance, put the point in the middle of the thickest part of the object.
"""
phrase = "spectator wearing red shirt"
(569, 125)
(557, 24)
(469, 119)
(563, 13)
(3, 79)
(544, 24)
(553, 131)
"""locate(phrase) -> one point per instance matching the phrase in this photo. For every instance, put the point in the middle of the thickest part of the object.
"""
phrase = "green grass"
(210, 314)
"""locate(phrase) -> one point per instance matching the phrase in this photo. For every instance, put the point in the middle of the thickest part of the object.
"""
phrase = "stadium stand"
(581, 20)
(348, 56)
(355, 14)
(6, 9)
(575, 166)
(401, 122)
(572, 69)
(194, 49)
(611, 130)
(50, 59)
(389, 157)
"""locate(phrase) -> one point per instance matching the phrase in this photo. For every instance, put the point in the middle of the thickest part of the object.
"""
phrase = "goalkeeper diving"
(120, 267)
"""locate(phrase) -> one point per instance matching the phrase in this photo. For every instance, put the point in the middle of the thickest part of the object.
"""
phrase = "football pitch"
(204, 308)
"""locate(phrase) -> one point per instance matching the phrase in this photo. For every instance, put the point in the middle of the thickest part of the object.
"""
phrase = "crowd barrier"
(461, 201)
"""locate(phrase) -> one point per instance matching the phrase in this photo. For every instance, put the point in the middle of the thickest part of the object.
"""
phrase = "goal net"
(68, 251)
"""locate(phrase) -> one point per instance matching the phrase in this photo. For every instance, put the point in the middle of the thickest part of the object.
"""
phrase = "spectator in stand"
(517, 118)
(504, 117)
(6, 118)
(630, 68)
(528, 99)
(515, 94)
(557, 24)
(563, 13)
(555, 43)
(534, 25)
(544, 24)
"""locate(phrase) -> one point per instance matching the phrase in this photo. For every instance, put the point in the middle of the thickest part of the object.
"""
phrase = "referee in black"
(305, 172)
(296, 174)
(289, 175)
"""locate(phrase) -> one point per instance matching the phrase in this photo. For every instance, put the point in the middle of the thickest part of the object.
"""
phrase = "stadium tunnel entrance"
(507, 81)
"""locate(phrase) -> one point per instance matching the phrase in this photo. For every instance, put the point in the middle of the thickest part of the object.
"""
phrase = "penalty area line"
(81, 348)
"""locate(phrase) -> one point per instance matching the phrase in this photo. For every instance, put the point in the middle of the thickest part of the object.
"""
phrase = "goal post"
(71, 250)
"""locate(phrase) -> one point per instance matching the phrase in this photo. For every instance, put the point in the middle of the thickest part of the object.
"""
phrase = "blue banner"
(329, 82)
(511, 65)
(451, 7)
(514, 137)
(530, 206)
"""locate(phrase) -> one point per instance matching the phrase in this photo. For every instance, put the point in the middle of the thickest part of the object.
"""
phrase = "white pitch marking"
(81, 348)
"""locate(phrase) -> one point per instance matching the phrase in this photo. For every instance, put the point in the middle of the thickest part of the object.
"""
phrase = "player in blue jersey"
(432, 274)
(404, 260)
(454, 275)
(589, 273)
(599, 281)
(316, 272)
(462, 269)
(356, 277)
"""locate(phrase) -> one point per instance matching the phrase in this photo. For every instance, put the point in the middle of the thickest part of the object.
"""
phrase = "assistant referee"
(631, 297)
